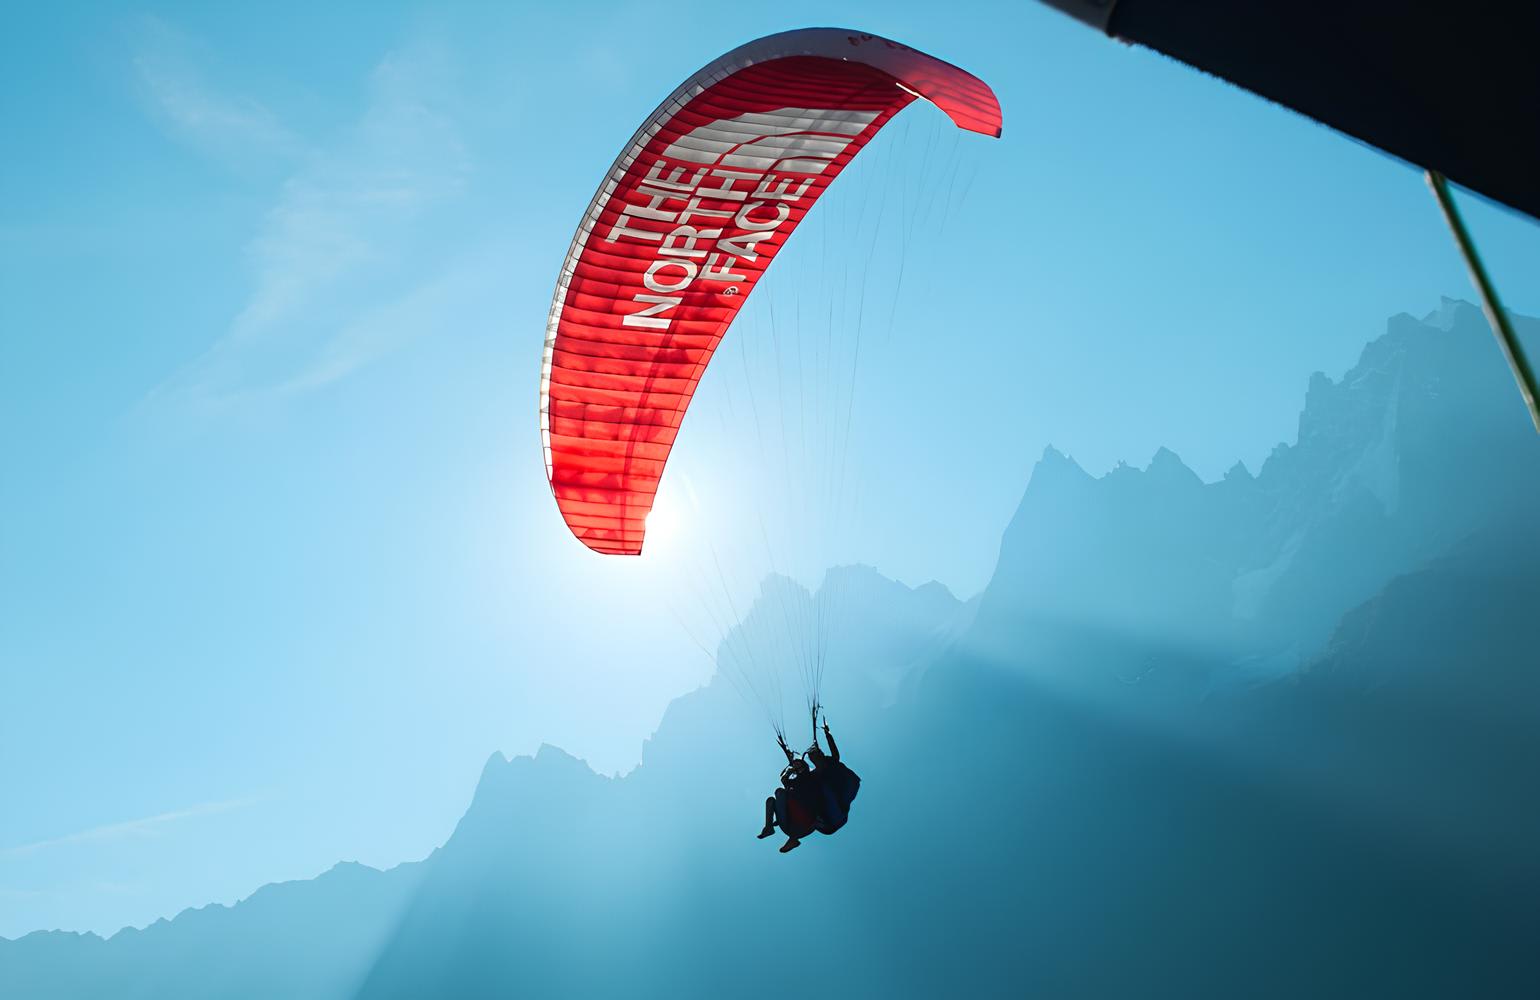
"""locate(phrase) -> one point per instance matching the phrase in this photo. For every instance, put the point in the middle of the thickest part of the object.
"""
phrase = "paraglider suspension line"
(1496, 316)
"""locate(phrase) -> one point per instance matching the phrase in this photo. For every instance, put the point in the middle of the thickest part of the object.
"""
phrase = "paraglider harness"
(826, 790)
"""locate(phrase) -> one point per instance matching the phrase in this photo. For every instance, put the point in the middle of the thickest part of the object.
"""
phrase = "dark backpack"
(837, 788)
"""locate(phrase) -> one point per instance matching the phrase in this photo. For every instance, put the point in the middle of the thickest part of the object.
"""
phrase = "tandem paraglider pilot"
(811, 798)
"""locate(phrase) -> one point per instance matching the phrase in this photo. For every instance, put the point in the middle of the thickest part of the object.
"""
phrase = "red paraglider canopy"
(686, 221)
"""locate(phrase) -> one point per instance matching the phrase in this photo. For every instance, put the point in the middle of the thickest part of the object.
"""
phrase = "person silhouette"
(793, 807)
(835, 785)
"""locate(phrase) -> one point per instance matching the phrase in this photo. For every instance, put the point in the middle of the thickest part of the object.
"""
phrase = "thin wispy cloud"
(234, 128)
(148, 826)
(342, 237)
(439, 302)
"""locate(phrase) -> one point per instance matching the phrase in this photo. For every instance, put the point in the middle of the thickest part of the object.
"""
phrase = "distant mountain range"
(1273, 736)
(1415, 449)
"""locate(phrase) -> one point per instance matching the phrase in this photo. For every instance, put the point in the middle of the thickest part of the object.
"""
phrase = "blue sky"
(278, 561)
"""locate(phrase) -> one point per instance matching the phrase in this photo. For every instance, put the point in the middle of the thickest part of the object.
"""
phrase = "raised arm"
(791, 758)
(834, 750)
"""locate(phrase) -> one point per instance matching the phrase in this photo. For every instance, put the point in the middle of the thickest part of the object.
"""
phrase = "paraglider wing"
(683, 226)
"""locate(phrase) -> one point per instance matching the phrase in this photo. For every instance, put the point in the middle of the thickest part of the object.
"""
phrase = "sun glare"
(675, 507)
(662, 527)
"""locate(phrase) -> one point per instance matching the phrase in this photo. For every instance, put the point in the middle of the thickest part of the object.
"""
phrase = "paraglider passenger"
(792, 808)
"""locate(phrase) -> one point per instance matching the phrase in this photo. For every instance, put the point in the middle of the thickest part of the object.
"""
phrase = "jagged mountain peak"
(1167, 467)
(503, 778)
(869, 583)
(1437, 375)
(1452, 313)
(1056, 470)
(495, 762)
(1420, 442)
(1055, 465)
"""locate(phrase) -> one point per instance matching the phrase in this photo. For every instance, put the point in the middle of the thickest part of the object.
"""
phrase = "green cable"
(1496, 316)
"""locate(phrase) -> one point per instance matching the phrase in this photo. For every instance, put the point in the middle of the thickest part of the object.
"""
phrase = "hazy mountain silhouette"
(306, 939)
(1270, 736)
(1414, 449)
